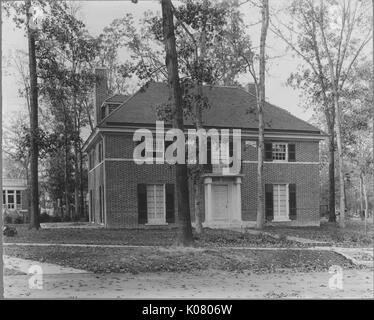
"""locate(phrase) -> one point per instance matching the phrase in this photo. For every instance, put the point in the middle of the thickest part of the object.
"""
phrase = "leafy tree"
(329, 40)
(185, 234)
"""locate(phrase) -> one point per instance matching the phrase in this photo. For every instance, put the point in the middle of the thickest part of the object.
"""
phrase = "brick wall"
(306, 151)
(123, 175)
(122, 178)
(306, 178)
(95, 180)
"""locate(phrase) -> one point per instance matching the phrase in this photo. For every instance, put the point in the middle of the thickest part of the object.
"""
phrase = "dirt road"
(207, 284)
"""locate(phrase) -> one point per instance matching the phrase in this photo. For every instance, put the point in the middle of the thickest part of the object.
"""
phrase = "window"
(90, 160)
(100, 152)
(18, 198)
(11, 199)
(156, 203)
(103, 112)
(279, 151)
(4, 198)
(91, 207)
(280, 202)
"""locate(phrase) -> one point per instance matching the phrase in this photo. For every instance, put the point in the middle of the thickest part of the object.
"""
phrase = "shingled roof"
(230, 108)
(117, 98)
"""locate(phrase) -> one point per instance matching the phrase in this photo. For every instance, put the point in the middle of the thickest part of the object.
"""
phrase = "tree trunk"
(372, 208)
(184, 219)
(34, 152)
(361, 197)
(340, 161)
(66, 176)
(197, 206)
(332, 215)
(81, 182)
(76, 185)
(260, 104)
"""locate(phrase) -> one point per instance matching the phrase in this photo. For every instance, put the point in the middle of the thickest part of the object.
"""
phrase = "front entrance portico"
(222, 201)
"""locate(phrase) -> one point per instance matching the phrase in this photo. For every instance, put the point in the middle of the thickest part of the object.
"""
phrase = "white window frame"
(163, 220)
(12, 205)
(272, 150)
(287, 201)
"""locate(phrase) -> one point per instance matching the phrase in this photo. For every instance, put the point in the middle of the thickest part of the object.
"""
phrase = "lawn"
(145, 237)
(351, 236)
(141, 260)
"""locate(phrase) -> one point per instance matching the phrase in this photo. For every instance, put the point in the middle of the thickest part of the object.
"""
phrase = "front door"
(220, 202)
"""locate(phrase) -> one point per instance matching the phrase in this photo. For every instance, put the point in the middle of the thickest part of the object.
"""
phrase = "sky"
(98, 14)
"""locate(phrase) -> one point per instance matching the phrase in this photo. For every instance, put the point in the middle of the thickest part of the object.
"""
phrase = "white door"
(220, 202)
(280, 198)
(156, 203)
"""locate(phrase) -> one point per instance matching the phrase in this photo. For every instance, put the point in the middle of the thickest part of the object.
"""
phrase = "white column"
(208, 199)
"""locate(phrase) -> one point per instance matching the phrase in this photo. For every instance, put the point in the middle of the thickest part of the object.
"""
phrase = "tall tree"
(329, 39)
(31, 33)
(171, 61)
(244, 49)
(260, 106)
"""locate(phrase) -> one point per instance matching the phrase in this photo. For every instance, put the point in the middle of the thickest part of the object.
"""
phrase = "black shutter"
(209, 151)
(291, 152)
(269, 211)
(268, 152)
(170, 216)
(292, 200)
(142, 203)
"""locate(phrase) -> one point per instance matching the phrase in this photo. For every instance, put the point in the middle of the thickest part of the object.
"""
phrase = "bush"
(44, 217)
(18, 220)
(66, 219)
(56, 219)
(9, 231)
(7, 219)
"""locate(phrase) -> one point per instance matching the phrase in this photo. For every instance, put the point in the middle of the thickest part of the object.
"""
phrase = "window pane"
(279, 151)
(18, 197)
(10, 198)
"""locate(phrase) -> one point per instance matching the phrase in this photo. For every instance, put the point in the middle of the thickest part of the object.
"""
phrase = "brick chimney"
(101, 91)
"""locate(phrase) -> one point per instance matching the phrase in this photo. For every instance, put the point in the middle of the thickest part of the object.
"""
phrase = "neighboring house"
(14, 194)
(124, 194)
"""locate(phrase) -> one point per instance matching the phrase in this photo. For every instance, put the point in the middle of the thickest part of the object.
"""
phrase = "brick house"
(124, 194)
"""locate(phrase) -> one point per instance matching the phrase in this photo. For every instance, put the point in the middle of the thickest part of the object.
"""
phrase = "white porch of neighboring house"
(13, 193)
(223, 201)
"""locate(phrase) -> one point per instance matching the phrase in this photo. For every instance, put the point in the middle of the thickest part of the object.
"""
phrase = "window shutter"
(170, 209)
(292, 200)
(209, 152)
(291, 152)
(269, 211)
(268, 152)
(142, 203)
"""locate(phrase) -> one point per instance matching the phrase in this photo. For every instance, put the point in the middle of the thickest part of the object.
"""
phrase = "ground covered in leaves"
(352, 236)
(141, 260)
(143, 237)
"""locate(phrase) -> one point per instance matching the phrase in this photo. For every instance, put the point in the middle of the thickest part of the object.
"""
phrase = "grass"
(145, 237)
(141, 260)
(351, 236)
